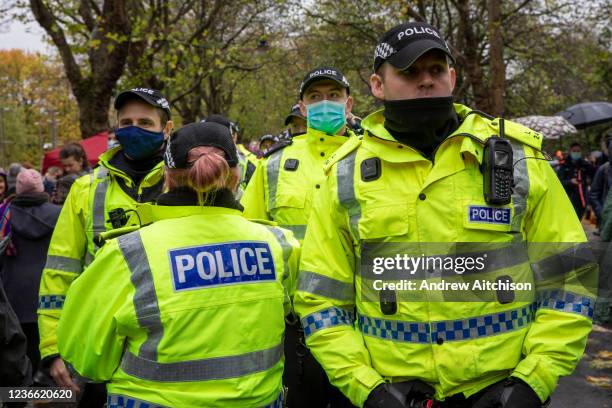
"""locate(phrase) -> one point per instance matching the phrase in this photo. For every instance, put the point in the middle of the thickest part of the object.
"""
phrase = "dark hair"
(575, 144)
(62, 187)
(75, 150)
(163, 116)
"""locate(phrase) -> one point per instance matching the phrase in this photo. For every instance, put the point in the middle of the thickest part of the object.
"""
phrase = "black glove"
(407, 394)
(511, 393)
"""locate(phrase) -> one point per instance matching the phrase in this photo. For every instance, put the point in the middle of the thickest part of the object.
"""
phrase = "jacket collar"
(150, 213)
(184, 196)
(379, 141)
(150, 179)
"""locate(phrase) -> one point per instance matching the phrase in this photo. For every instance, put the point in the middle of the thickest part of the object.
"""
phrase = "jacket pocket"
(289, 199)
(382, 221)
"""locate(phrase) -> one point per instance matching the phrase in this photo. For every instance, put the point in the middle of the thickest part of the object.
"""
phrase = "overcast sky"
(18, 35)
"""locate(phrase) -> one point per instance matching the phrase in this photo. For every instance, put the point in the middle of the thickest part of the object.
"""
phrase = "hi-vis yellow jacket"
(248, 164)
(457, 347)
(85, 215)
(283, 184)
(186, 312)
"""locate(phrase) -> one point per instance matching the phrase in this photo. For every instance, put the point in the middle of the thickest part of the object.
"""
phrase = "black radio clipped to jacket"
(118, 217)
(498, 169)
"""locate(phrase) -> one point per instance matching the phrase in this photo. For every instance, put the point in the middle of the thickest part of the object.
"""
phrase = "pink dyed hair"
(208, 172)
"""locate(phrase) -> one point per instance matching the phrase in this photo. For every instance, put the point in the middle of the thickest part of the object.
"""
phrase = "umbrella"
(94, 146)
(588, 114)
(552, 127)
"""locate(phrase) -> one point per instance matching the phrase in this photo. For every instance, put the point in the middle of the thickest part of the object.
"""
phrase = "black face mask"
(421, 123)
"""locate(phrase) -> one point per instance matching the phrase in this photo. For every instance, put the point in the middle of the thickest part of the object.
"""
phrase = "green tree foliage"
(246, 59)
(197, 53)
(36, 106)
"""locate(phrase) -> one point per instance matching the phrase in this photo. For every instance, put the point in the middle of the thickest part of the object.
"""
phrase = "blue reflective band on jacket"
(123, 401)
(449, 330)
(566, 302)
(51, 301)
(221, 264)
(326, 318)
(474, 327)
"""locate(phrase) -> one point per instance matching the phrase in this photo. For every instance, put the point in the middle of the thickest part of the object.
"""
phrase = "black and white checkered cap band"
(384, 51)
(169, 160)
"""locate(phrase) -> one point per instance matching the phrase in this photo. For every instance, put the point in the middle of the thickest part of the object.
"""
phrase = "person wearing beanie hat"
(247, 159)
(29, 223)
(295, 122)
(282, 190)
(127, 175)
(213, 269)
(29, 181)
(437, 179)
(265, 142)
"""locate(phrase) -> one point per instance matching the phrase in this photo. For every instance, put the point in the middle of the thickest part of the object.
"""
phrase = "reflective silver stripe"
(216, 368)
(124, 401)
(98, 212)
(563, 263)
(272, 170)
(145, 298)
(286, 246)
(346, 191)
(521, 189)
(299, 231)
(325, 286)
(88, 258)
(64, 264)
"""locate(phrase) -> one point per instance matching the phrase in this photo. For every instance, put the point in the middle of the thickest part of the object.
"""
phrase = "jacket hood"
(33, 220)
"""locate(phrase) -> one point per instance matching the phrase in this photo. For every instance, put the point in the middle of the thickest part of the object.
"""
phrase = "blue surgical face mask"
(139, 143)
(575, 155)
(326, 116)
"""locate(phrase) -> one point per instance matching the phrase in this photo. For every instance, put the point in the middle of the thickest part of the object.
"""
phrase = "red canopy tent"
(94, 146)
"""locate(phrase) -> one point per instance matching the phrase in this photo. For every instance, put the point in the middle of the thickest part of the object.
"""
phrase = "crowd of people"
(587, 180)
(181, 269)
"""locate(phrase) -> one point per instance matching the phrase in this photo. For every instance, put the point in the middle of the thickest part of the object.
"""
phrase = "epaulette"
(519, 133)
(281, 144)
(512, 130)
(351, 144)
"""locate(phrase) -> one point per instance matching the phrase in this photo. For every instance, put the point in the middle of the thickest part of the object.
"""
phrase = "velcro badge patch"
(490, 215)
(221, 264)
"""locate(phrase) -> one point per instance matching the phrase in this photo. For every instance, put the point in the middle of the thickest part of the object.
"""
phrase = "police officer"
(247, 160)
(575, 175)
(265, 142)
(127, 174)
(416, 177)
(281, 190)
(189, 311)
(295, 122)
